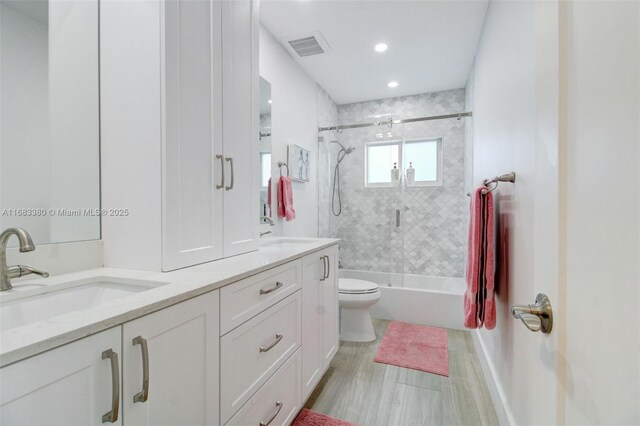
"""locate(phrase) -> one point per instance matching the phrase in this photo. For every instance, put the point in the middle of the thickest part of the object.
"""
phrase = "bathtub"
(419, 299)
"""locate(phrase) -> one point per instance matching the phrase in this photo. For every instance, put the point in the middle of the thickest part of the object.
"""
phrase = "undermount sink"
(22, 307)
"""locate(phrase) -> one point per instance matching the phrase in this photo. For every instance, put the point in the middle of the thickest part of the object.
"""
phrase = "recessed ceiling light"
(381, 47)
(393, 84)
(269, 101)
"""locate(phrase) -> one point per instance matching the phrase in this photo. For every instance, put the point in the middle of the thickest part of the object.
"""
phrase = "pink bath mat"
(415, 346)
(313, 418)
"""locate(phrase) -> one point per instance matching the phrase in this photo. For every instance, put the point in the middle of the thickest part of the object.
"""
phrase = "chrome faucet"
(268, 219)
(8, 272)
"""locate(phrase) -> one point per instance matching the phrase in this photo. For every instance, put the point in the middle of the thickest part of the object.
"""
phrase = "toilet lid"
(353, 286)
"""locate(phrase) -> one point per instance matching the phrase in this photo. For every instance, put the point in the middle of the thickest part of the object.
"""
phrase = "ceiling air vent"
(308, 45)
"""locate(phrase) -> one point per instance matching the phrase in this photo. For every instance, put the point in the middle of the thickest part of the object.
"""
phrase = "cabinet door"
(330, 314)
(312, 359)
(182, 358)
(240, 125)
(69, 385)
(192, 111)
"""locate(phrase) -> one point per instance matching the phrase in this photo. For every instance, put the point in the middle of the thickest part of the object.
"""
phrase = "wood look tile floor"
(361, 391)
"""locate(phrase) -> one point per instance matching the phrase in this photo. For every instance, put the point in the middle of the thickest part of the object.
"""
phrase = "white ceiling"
(431, 43)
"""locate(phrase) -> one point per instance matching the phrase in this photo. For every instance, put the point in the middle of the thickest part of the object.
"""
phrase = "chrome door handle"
(112, 416)
(230, 160)
(536, 317)
(328, 267)
(143, 395)
(278, 408)
(268, 348)
(274, 288)
(219, 157)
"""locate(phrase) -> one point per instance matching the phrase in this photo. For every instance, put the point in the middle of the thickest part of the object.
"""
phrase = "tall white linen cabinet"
(179, 127)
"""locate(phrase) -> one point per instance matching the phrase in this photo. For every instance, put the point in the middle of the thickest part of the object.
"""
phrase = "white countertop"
(28, 340)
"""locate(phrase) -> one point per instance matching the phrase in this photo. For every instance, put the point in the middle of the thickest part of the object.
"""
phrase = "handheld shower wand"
(336, 210)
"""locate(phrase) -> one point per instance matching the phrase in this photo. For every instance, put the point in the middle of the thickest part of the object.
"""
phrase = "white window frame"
(401, 144)
(439, 162)
(397, 142)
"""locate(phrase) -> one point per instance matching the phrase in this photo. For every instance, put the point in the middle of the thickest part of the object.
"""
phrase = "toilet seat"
(354, 286)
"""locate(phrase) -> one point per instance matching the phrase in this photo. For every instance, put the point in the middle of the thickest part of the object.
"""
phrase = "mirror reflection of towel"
(285, 199)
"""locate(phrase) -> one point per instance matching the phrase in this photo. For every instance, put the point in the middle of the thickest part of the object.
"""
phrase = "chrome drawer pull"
(278, 408)
(268, 348)
(221, 158)
(328, 266)
(143, 395)
(230, 160)
(274, 288)
(112, 416)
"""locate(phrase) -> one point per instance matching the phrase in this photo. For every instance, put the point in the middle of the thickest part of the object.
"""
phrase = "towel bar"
(508, 177)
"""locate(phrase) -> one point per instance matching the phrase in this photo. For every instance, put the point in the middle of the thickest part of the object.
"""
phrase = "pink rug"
(415, 346)
(313, 418)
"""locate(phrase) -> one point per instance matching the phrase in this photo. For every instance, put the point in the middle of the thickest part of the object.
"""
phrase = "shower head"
(346, 150)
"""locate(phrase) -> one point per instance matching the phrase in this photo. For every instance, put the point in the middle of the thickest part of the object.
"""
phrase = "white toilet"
(356, 297)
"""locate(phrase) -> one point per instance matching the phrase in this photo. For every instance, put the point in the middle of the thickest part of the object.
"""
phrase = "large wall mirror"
(49, 119)
(264, 150)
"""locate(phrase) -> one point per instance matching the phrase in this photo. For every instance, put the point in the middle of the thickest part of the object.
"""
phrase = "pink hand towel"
(479, 302)
(285, 199)
(489, 311)
(474, 253)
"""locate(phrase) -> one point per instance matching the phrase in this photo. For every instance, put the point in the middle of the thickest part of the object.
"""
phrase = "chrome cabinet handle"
(324, 268)
(278, 408)
(274, 288)
(143, 395)
(230, 160)
(112, 416)
(268, 348)
(397, 218)
(328, 266)
(219, 157)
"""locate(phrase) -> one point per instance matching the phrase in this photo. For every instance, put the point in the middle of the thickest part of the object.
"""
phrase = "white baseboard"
(505, 416)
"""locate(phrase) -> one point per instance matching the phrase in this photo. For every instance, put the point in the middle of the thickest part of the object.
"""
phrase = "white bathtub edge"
(505, 417)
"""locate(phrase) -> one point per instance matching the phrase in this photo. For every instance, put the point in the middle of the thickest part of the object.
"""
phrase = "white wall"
(515, 129)
(294, 121)
(602, 212)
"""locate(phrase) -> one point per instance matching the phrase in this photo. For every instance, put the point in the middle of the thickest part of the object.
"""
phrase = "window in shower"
(425, 155)
(379, 159)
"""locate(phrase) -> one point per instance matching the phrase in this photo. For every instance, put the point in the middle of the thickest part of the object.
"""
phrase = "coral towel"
(285, 199)
(479, 303)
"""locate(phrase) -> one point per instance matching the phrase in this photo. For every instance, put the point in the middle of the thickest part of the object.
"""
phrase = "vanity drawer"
(245, 299)
(278, 401)
(251, 353)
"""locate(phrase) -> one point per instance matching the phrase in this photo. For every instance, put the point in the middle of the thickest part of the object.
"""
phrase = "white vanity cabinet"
(104, 374)
(75, 384)
(320, 326)
(178, 347)
(164, 64)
